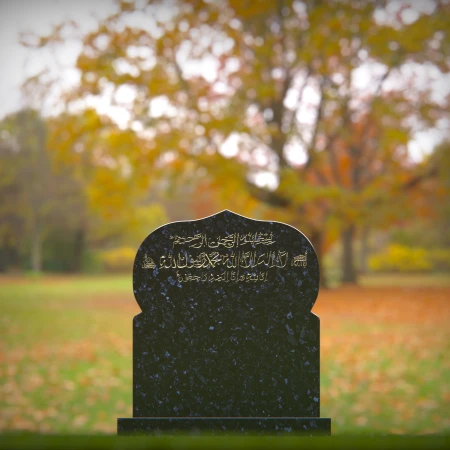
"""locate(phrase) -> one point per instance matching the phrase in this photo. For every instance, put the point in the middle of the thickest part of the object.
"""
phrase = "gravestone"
(226, 341)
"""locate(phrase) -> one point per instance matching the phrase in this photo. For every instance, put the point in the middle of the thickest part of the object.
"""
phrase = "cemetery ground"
(66, 355)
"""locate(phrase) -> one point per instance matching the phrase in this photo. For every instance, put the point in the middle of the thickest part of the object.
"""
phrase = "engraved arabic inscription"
(233, 262)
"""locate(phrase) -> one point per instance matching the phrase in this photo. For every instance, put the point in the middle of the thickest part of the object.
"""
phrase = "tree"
(283, 84)
(117, 204)
(441, 194)
(37, 200)
(25, 183)
(53, 209)
(429, 204)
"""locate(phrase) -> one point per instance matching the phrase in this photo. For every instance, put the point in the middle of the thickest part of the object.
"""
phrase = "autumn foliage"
(66, 356)
(280, 79)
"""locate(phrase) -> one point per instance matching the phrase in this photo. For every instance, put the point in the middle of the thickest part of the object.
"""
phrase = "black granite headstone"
(226, 341)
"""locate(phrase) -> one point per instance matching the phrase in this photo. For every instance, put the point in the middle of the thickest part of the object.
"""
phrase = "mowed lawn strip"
(223, 442)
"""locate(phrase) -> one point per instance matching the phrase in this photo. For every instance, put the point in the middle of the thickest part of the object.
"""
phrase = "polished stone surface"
(226, 329)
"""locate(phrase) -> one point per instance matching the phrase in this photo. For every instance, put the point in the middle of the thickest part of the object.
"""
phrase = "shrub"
(119, 259)
(399, 258)
(92, 262)
(441, 259)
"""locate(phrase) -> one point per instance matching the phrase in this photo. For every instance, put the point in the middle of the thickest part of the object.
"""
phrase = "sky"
(18, 62)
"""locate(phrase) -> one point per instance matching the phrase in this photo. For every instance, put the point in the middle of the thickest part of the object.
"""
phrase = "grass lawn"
(33, 441)
(397, 280)
(66, 361)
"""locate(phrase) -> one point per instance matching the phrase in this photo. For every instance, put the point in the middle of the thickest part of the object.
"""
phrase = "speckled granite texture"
(226, 339)
(305, 426)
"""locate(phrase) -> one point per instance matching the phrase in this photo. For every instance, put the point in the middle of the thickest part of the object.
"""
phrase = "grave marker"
(226, 341)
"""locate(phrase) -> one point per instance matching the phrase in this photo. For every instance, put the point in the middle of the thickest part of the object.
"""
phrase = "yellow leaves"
(265, 90)
(126, 6)
(119, 259)
(110, 163)
(85, 63)
(249, 9)
(393, 137)
(116, 167)
(177, 164)
(105, 183)
(400, 258)
(413, 38)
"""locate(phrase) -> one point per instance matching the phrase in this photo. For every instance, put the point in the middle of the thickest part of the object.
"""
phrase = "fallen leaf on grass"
(80, 420)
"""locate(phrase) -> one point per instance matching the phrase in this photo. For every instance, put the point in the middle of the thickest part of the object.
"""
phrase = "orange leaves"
(384, 361)
(264, 41)
(381, 349)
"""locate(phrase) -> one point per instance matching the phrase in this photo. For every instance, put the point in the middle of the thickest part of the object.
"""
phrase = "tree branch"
(311, 148)
(271, 198)
(417, 179)
(365, 142)
(410, 184)
(291, 119)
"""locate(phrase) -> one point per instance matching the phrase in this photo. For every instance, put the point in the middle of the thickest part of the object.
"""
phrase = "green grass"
(53, 334)
(51, 285)
(58, 309)
(223, 442)
(402, 280)
(66, 362)
(393, 280)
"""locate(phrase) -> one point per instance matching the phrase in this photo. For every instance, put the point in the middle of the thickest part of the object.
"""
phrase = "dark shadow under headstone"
(226, 341)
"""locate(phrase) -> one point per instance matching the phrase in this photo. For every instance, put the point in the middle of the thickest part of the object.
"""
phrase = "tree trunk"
(9, 258)
(364, 254)
(79, 244)
(317, 240)
(348, 264)
(36, 249)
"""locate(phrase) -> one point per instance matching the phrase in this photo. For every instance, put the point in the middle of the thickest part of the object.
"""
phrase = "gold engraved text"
(234, 240)
(299, 260)
(211, 260)
(148, 263)
(221, 259)
(227, 276)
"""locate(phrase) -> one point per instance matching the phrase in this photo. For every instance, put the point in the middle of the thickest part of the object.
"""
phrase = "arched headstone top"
(228, 256)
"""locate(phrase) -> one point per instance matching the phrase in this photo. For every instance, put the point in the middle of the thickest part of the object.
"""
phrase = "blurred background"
(120, 116)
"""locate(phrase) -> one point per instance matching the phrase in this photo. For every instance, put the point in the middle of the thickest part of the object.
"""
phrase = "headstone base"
(306, 426)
